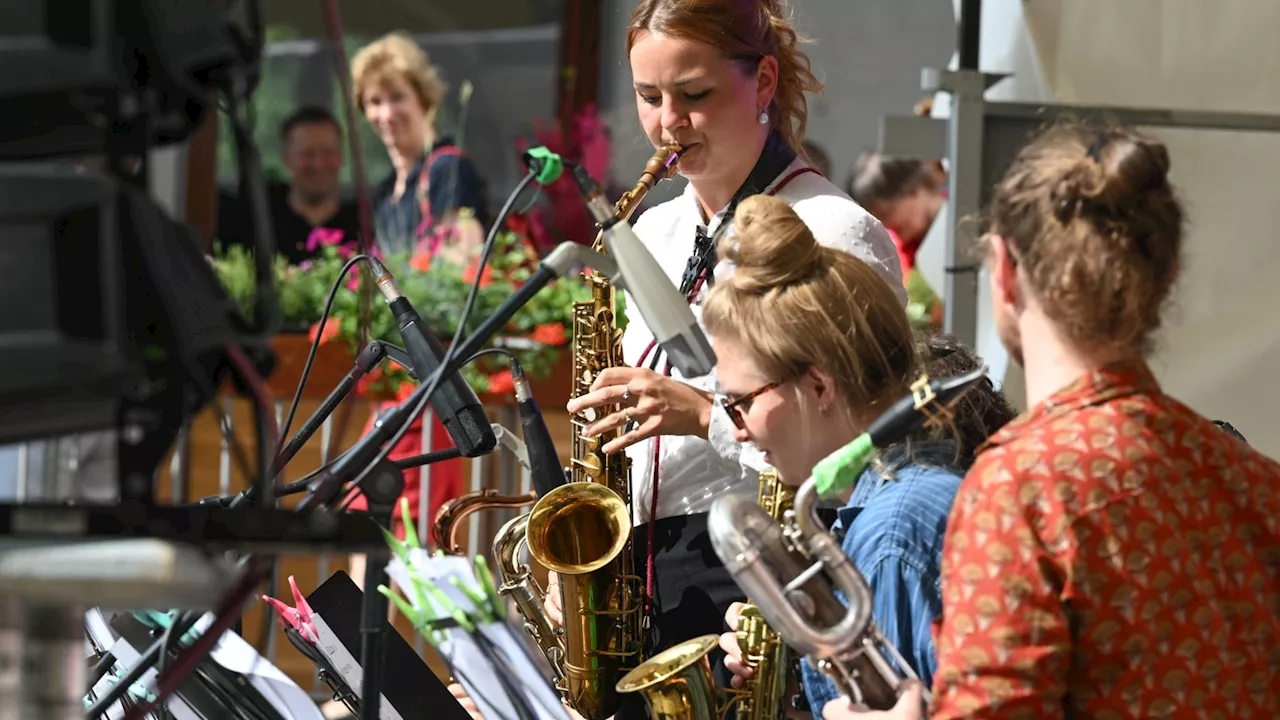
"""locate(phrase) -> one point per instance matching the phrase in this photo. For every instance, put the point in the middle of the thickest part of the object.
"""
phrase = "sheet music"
(479, 672)
(126, 657)
(347, 666)
(232, 653)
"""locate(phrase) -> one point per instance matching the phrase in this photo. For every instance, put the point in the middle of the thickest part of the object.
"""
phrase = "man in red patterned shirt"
(1111, 553)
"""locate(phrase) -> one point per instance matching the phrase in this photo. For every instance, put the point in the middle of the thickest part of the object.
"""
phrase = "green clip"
(496, 604)
(410, 530)
(838, 471)
(398, 548)
(477, 598)
(437, 595)
(549, 165)
(416, 615)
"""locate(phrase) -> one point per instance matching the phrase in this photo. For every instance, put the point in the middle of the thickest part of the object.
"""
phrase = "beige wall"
(1222, 342)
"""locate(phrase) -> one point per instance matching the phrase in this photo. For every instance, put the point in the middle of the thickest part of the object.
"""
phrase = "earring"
(764, 117)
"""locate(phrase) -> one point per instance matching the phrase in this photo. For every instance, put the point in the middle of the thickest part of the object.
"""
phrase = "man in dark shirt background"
(312, 154)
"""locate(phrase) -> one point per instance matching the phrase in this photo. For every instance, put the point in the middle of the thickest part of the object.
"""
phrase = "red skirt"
(446, 477)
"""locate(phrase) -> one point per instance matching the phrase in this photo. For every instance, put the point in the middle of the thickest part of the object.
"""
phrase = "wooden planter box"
(333, 361)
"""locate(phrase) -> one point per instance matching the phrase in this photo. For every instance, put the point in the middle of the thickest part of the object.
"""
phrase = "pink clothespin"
(298, 617)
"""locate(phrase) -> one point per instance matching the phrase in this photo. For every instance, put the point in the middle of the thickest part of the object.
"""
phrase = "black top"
(291, 229)
(693, 592)
(452, 182)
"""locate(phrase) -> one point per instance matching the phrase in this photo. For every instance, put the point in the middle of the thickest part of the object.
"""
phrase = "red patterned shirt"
(1112, 554)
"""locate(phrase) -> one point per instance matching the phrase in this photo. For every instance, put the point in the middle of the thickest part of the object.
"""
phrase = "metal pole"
(969, 28)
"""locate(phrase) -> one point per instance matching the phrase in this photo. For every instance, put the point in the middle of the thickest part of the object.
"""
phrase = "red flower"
(331, 328)
(421, 261)
(518, 223)
(550, 334)
(365, 384)
(501, 383)
(404, 391)
(469, 274)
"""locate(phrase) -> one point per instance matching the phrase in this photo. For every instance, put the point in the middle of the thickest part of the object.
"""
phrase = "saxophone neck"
(451, 514)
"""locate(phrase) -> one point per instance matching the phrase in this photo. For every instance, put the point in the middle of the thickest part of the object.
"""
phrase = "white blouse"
(693, 471)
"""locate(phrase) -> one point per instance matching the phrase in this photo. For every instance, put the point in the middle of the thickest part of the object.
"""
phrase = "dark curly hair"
(980, 413)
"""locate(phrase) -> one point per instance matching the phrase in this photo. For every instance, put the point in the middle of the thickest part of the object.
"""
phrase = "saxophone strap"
(775, 157)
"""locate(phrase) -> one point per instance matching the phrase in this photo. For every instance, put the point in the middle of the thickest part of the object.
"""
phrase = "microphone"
(660, 303)
(454, 401)
(544, 461)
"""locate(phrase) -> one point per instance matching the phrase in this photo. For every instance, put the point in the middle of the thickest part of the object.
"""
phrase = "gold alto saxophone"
(582, 529)
(677, 684)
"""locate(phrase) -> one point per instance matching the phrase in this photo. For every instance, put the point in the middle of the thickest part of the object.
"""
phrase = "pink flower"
(323, 237)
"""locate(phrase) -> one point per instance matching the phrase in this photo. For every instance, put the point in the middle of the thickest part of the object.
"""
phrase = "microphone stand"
(381, 486)
(366, 360)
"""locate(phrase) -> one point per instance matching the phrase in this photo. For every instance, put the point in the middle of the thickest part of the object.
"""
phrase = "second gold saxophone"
(677, 684)
(582, 530)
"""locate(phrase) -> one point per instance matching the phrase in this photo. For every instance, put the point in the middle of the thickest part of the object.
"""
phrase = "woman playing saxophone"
(812, 347)
(726, 80)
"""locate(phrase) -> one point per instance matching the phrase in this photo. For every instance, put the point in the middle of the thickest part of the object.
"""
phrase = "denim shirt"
(893, 531)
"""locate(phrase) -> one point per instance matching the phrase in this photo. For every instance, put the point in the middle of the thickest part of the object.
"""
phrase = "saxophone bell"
(677, 683)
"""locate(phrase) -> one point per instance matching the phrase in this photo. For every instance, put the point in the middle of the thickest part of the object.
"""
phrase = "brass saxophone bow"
(792, 570)
(448, 519)
(582, 530)
(678, 685)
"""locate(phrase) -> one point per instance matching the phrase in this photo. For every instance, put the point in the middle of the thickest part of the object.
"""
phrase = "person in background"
(1111, 553)
(906, 194)
(817, 157)
(812, 346)
(311, 152)
(434, 202)
(431, 208)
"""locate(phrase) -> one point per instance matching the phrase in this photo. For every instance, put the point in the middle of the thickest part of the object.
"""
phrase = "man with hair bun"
(1111, 553)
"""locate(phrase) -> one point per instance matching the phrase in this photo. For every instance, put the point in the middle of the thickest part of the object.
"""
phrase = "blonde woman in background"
(434, 202)
(432, 206)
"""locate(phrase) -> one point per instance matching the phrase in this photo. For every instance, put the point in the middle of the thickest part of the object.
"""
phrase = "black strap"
(776, 156)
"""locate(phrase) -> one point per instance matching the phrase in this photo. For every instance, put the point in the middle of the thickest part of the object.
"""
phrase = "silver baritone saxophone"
(582, 529)
(792, 570)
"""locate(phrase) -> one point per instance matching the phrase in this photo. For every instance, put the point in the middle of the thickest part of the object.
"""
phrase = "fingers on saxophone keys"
(614, 421)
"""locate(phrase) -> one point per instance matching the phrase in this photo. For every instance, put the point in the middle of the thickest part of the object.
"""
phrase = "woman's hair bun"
(1112, 175)
(770, 245)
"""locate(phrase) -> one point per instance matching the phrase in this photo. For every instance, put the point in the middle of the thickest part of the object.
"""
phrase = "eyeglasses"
(735, 407)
